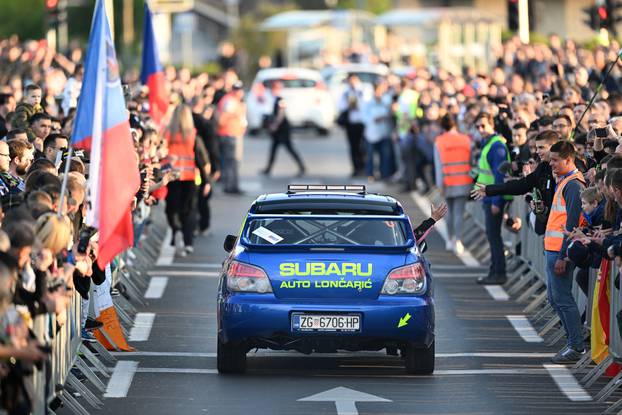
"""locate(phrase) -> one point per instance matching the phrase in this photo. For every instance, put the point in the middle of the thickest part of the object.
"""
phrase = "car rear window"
(309, 231)
(292, 83)
(366, 77)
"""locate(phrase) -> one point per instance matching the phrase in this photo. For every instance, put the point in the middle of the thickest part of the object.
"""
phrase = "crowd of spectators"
(48, 256)
(527, 128)
(527, 118)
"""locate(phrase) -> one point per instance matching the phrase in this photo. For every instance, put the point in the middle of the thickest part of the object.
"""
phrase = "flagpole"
(63, 188)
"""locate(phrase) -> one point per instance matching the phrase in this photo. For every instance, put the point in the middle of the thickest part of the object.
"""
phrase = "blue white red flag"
(152, 73)
(102, 126)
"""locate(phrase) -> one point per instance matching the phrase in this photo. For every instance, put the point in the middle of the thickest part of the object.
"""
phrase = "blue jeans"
(493, 234)
(383, 149)
(229, 163)
(559, 293)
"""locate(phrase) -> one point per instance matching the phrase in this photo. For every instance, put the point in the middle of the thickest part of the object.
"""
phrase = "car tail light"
(247, 278)
(321, 85)
(409, 279)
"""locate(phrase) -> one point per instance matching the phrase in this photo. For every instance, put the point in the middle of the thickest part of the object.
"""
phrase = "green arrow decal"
(404, 320)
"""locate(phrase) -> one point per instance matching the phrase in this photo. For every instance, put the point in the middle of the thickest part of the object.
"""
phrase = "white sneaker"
(179, 241)
(189, 249)
(459, 248)
(449, 245)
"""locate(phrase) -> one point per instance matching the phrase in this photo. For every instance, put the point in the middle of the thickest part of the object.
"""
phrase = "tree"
(25, 18)
(374, 6)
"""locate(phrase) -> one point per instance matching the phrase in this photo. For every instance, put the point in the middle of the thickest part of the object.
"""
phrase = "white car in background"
(336, 77)
(307, 101)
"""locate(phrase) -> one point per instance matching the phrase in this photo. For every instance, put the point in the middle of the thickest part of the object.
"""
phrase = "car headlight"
(409, 279)
(247, 278)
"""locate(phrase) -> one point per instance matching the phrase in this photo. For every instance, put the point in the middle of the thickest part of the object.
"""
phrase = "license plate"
(326, 322)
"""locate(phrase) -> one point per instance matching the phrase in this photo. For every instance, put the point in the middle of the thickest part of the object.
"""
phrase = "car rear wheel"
(231, 358)
(419, 361)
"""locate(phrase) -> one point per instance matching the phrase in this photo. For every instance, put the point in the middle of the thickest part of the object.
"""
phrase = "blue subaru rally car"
(325, 268)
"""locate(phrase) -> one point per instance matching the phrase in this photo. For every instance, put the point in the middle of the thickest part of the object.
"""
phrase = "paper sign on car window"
(267, 235)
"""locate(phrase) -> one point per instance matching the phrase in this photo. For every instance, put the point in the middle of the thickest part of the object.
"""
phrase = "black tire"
(322, 132)
(230, 358)
(419, 361)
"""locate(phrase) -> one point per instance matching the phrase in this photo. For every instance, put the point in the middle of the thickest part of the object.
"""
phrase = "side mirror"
(423, 246)
(229, 243)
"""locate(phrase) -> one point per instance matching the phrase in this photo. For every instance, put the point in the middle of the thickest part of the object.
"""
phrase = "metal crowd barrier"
(527, 284)
(77, 374)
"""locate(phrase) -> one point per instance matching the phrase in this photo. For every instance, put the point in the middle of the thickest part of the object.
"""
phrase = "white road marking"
(156, 288)
(184, 273)
(121, 379)
(497, 292)
(567, 383)
(332, 355)
(142, 327)
(195, 265)
(177, 370)
(441, 227)
(524, 329)
(124, 375)
(167, 252)
(345, 399)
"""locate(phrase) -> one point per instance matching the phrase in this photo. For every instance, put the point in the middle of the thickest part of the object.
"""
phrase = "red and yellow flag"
(601, 319)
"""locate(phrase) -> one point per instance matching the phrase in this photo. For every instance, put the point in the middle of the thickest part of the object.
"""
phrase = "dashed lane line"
(524, 328)
(497, 292)
(441, 227)
(156, 288)
(567, 383)
(121, 379)
(142, 327)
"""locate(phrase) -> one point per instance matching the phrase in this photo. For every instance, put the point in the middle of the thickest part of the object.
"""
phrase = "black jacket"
(541, 179)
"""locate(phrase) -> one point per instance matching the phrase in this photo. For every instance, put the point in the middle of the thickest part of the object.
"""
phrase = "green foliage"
(26, 18)
(255, 42)
(374, 6)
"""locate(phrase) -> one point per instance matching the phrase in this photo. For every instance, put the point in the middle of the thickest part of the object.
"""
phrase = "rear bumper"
(265, 321)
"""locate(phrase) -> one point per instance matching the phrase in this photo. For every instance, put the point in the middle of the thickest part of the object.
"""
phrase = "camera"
(85, 235)
(55, 284)
(614, 251)
(601, 132)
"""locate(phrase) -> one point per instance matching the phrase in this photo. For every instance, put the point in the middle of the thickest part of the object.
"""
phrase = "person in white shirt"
(378, 126)
(72, 90)
(351, 102)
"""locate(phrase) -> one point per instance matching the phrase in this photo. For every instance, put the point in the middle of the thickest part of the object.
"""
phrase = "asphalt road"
(483, 365)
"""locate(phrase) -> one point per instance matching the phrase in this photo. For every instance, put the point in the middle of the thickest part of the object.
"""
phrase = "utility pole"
(128, 23)
(108, 4)
(523, 20)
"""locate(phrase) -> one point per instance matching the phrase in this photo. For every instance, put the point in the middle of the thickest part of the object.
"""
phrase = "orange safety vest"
(231, 126)
(181, 153)
(556, 224)
(454, 150)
